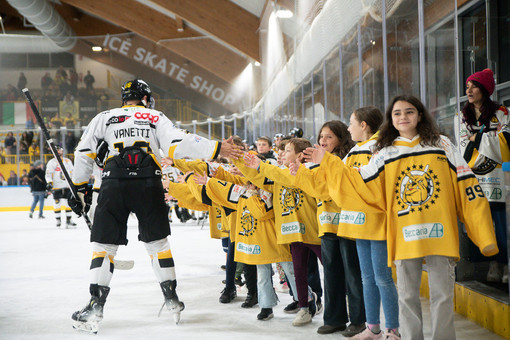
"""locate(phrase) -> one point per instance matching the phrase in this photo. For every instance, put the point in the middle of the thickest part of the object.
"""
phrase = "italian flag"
(16, 113)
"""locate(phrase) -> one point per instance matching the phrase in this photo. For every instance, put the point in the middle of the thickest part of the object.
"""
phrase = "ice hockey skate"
(87, 320)
(171, 300)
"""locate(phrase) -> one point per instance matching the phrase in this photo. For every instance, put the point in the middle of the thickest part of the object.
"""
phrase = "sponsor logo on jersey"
(422, 231)
(248, 223)
(417, 188)
(327, 217)
(251, 249)
(293, 228)
(147, 116)
(352, 217)
(117, 119)
(290, 200)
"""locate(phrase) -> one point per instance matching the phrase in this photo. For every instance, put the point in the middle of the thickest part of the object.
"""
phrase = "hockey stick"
(118, 264)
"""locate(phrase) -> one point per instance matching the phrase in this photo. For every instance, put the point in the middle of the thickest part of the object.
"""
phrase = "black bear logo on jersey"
(290, 200)
(117, 119)
(416, 189)
(248, 223)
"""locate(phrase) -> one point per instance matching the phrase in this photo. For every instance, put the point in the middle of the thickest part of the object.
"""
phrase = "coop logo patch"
(352, 217)
(423, 231)
(117, 119)
(250, 249)
(417, 189)
(293, 228)
(290, 200)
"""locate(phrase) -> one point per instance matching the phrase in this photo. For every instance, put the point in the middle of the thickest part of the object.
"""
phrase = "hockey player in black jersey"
(131, 182)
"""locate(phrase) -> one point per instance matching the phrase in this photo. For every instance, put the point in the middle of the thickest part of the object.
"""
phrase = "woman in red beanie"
(480, 125)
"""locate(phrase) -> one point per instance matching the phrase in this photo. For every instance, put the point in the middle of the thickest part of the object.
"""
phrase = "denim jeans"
(266, 293)
(378, 283)
(38, 197)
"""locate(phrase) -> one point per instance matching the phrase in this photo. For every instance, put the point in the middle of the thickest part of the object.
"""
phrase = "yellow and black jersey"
(359, 224)
(422, 190)
(255, 234)
(295, 211)
(215, 225)
(185, 198)
(328, 212)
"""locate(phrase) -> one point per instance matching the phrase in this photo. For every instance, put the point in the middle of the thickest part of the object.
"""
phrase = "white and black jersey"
(137, 126)
(54, 174)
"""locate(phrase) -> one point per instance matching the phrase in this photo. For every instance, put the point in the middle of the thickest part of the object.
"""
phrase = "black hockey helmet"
(136, 90)
(296, 132)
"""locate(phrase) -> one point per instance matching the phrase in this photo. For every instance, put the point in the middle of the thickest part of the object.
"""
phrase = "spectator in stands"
(33, 151)
(89, 81)
(2, 180)
(68, 98)
(46, 81)
(73, 81)
(24, 178)
(22, 81)
(56, 122)
(3, 155)
(61, 80)
(30, 124)
(10, 144)
(13, 178)
(70, 142)
(69, 121)
(23, 148)
(27, 138)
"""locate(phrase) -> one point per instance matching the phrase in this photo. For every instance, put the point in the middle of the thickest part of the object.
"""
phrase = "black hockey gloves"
(84, 201)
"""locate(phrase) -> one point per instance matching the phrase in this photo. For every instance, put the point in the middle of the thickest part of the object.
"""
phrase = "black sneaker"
(292, 308)
(238, 281)
(251, 300)
(223, 267)
(353, 329)
(227, 295)
(265, 314)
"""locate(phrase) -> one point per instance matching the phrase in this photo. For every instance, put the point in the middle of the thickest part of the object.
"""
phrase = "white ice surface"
(44, 278)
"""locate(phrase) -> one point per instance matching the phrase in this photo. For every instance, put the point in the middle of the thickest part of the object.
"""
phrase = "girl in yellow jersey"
(370, 233)
(422, 183)
(295, 217)
(342, 274)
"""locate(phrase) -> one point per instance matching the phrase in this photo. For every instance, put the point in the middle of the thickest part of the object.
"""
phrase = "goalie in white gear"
(59, 187)
(131, 182)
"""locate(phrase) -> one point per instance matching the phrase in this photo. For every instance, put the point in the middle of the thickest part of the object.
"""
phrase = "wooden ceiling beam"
(222, 19)
(162, 29)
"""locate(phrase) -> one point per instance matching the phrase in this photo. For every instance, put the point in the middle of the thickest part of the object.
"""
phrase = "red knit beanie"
(485, 78)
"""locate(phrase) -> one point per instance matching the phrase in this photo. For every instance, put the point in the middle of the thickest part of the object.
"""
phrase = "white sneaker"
(303, 317)
(504, 279)
(367, 334)
(494, 274)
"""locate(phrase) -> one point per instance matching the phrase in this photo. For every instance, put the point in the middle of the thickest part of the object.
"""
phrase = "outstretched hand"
(167, 161)
(229, 149)
(315, 154)
(294, 166)
(251, 161)
(200, 179)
